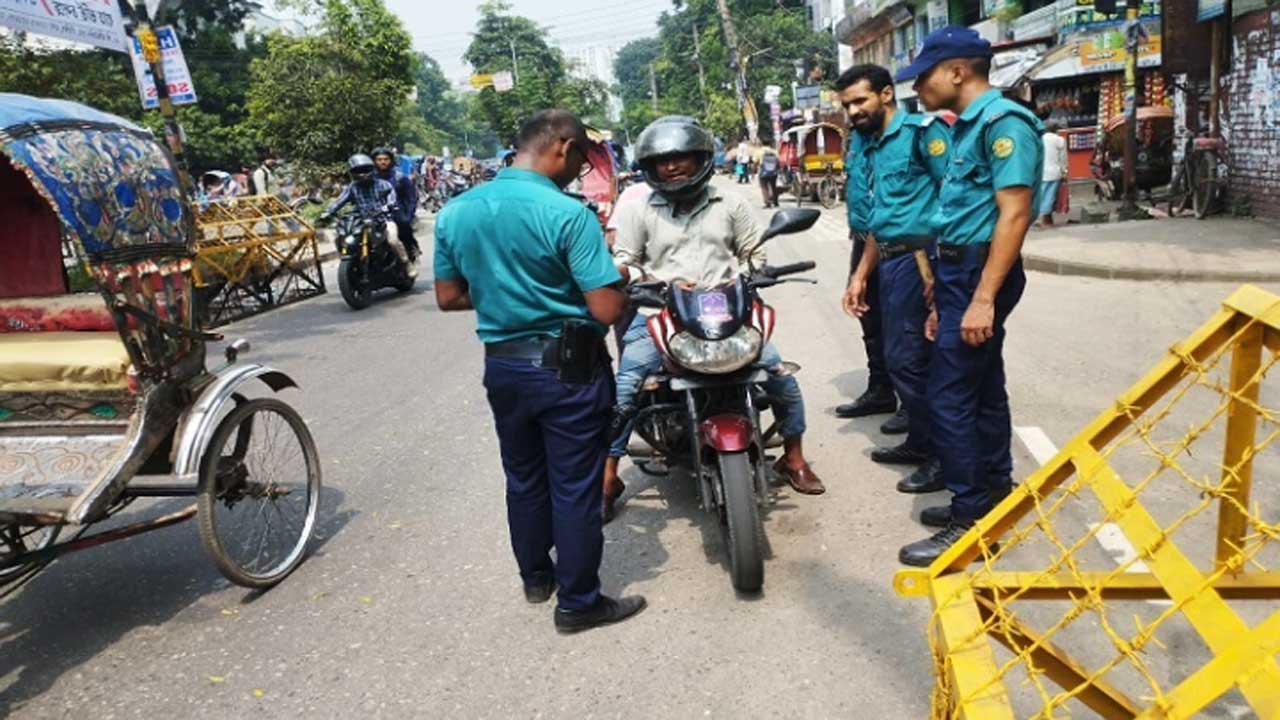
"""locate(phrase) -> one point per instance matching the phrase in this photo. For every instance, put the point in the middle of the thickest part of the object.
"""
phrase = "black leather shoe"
(877, 400)
(926, 479)
(924, 552)
(606, 612)
(896, 425)
(539, 593)
(899, 455)
(938, 516)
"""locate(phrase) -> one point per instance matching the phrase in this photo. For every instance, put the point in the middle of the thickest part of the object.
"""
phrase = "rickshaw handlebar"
(165, 326)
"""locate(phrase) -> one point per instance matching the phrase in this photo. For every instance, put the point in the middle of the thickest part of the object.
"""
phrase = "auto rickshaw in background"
(813, 163)
(1153, 166)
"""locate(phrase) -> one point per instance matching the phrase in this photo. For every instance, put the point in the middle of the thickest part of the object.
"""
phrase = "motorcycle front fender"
(728, 433)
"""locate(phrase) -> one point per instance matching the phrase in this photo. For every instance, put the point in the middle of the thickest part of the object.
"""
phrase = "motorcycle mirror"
(790, 220)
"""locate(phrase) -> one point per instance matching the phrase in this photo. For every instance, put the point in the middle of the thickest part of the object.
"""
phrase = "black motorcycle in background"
(368, 261)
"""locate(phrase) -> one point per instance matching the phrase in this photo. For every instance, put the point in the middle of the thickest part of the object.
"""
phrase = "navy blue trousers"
(972, 426)
(872, 324)
(906, 352)
(553, 438)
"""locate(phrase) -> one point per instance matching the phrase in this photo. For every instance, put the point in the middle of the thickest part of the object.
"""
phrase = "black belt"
(890, 249)
(955, 253)
(544, 349)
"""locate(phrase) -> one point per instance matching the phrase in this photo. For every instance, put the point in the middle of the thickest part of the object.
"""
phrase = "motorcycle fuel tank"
(712, 313)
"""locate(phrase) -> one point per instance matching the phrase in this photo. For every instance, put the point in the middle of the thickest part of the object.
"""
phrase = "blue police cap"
(946, 43)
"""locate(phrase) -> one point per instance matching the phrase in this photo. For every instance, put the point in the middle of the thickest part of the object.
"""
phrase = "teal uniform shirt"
(997, 145)
(527, 252)
(857, 187)
(909, 162)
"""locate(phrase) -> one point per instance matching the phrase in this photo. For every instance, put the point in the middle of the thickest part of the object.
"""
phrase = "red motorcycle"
(702, 410)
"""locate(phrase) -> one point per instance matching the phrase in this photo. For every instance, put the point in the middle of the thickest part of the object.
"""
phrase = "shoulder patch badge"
(1002, 147)
(937, 146)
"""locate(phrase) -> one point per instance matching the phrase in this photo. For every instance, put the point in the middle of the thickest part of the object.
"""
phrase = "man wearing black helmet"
(372, 196)
(690, 231)
(384, 159)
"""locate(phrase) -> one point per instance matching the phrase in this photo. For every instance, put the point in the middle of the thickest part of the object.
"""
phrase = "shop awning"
(1010, 66)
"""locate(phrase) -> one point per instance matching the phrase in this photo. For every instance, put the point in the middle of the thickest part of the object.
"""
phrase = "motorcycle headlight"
(716, 356)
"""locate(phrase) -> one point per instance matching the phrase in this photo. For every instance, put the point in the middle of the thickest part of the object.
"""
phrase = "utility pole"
(1135, 35)
(515, 64)
(702, 76)
(739, 67)
(653, 88)
(146, 36)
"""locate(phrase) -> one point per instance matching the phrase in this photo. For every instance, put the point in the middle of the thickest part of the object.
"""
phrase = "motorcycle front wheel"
(357, 293)
(742, 520)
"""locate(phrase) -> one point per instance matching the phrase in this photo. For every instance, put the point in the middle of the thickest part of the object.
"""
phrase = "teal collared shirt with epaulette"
(996, 145)
(857, 188)
(908, 163)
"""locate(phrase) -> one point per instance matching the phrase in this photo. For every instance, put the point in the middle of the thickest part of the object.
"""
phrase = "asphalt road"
(409, 605)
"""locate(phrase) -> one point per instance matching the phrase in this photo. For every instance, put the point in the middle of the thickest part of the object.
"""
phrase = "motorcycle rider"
(689, 231)
(372, 196)
(384, 159)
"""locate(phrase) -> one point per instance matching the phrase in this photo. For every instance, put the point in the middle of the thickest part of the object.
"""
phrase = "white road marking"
(1109, 535)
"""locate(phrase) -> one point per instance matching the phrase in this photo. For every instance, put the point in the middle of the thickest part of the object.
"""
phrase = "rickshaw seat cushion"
(57, 313)
(63, 362)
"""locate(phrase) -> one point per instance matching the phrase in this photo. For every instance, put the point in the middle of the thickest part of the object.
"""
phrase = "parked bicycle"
(1200, 178)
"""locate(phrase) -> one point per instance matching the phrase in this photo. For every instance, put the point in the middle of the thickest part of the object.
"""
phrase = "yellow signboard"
(480, 82)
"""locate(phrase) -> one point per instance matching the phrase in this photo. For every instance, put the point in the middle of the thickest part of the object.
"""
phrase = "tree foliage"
(317, 99)
(774, 36)
(515, 44)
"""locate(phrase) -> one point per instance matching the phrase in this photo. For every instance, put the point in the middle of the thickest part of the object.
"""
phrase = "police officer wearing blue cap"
(909, 154)
(985, 208)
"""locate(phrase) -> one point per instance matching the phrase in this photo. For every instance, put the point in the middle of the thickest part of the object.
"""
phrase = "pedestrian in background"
(879, 397)
(769, 165)
(264, 177)
(985, 207)
(1055, 172)
(533, 263)
(909, 153)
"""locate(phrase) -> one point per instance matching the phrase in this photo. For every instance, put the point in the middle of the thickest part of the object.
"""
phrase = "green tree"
(317, 99)
(515, 44)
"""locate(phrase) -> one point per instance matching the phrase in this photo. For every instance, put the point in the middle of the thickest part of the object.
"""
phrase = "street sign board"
(808, 96)
(502, 81)
(92, 22)
(772, 93)
(481, 81)
(176, 74)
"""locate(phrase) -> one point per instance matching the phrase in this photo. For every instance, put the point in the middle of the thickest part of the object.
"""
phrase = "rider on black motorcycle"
(372, 196)
(689, 231)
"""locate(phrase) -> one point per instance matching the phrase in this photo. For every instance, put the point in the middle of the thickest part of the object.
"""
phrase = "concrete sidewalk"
(1214, 249)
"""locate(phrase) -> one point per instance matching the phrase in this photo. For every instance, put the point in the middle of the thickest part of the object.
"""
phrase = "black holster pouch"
(580, 352)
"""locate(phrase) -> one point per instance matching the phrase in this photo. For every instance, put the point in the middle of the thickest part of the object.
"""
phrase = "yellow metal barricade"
(1137, 573)
(252, 254)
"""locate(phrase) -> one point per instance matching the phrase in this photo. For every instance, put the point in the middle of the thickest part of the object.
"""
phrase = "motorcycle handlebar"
(793, 268)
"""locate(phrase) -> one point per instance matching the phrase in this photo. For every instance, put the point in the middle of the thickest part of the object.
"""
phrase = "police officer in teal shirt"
(984, 210)
(908, 154)
(533, 263)
(879, 396)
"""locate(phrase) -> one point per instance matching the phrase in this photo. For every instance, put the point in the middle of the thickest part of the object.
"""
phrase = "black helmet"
(383, 150)
(360, 168)
(675, 135)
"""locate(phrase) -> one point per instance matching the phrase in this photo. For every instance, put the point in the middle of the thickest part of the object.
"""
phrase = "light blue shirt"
(527, 252)
(909, 162)
(996, 145)
(857, 187)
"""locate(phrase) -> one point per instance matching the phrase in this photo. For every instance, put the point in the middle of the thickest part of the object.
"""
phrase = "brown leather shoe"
(803, 481)
(611, 494)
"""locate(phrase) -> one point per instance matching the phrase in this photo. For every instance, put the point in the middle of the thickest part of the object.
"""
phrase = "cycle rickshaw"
(813, 161)
(105, 397)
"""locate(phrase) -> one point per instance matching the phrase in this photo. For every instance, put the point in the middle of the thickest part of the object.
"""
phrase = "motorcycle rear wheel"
(744, 527)
(357, 294)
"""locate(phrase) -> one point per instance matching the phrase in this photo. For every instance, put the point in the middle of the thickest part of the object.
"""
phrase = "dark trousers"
(872, 323)
(769, 189)
(405, 231)
(972, 426)
(553, 438)
(906, 352)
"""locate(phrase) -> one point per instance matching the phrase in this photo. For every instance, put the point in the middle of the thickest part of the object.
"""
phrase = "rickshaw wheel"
(259, 493)
(18, 539)
(828, 193)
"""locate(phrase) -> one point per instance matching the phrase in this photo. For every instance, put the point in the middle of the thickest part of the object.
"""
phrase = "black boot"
(896, 425)
(926, 479)
(900, 455)
(924, 552)
(606, 612)
(938, 516)
(877, 400)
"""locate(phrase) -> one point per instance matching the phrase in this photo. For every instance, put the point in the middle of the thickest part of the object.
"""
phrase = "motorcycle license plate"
(713, 307)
